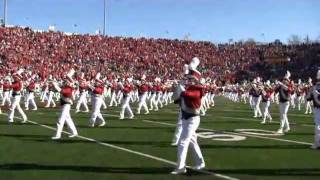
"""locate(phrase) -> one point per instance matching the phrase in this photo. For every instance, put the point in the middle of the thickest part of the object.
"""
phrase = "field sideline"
(140, 148)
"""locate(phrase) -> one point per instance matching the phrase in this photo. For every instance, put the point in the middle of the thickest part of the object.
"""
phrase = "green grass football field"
(140, 148)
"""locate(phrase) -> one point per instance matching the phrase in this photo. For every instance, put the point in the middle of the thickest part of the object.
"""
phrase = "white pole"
(104, 16)
(4, 12)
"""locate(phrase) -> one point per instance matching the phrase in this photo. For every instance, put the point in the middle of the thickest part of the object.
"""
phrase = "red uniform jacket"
(31, 87)
(98, 90)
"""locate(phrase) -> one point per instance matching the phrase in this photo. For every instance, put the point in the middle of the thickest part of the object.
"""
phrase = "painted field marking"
(131, 151)
(255, 136)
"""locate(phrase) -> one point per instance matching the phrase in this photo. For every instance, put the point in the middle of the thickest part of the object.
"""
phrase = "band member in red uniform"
(266, 97)
(143, 93)
(51, 93)
(97, 93)
(314, 95)
(17, 87)
(189, 96)
(114, 89)
(284, 88)
(66, 101)
(299, 93)
(307, 90)
(30, 97)
(126, 91)
(256, 98)
(6, 92)
(83, 88)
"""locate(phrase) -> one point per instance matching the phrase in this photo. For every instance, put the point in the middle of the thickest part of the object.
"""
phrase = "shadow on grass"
(33, 136)
(158, 170)
(295, 146)
(93, 169)
(140, 143)
(272, 172)
(46, 138)
(15, 123)
(300, 133)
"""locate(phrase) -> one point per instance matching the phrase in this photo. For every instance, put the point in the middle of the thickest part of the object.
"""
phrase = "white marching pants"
(82, 101)
(266, 113)
(153, 102)
(113, 99)
(126, 107)
(250, 102)
(30, 100)
(188, 139)
(6, 98)
(256, 106)
(298, 101)
(308, 107)
(143, 103)
(178, 130)
(317, 127)
(65, 118)
(97, 102)
(16, 105)
(284, 122)
(50, 99)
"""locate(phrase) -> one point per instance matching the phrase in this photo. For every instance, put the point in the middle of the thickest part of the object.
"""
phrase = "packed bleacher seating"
(54, 52)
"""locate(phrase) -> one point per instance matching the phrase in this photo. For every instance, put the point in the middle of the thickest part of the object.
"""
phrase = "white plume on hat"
(258, 79)
(287, 75)
(82, 75)
(318, 74)
(143, 77)
(98, 76)
(193, 68)
(70, 74)
(202, 81)
(18, 73)
(186, 69)
(129, 79)
(268, 82)
(157, 79)
(299, 81)
(310, 80)
(8, 78)
(194, 64)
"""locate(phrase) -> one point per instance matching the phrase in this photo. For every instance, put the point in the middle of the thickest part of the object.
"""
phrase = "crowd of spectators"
(54, 52)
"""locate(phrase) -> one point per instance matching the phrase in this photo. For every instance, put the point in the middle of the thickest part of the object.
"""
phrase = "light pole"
(104, 16)
(4, 12)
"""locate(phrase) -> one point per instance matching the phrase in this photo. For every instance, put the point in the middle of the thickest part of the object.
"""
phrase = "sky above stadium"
(210, 20)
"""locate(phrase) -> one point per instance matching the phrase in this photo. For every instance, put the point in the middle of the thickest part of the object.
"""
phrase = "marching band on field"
(192, 93)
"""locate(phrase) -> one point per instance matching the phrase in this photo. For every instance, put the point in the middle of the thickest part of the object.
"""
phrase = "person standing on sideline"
(66, 92)
(284, 88)
(189, 96)
(17, 87)
(314, 95)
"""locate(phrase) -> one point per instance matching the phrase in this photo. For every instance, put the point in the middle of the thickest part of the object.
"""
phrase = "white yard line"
(132, 151)
(273, 121)
(243, 134)
(248, 111)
